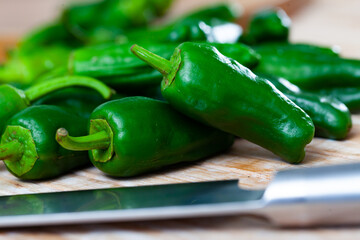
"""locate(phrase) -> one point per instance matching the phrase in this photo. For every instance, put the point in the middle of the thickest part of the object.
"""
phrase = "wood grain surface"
(324, 22)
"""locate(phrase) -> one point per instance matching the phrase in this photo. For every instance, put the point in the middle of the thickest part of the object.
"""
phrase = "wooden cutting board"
(324, 22)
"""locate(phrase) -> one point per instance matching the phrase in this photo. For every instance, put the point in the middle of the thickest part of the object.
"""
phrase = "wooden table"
(320, 21)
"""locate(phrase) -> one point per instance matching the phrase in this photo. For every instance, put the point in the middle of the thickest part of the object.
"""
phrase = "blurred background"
(325, 22)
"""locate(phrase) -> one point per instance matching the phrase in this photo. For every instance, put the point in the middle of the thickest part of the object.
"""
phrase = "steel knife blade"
(301, 197)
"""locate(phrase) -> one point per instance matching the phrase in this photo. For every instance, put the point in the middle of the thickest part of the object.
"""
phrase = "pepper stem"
(11, 151)
(161, 64)
(41, 89)
(99, 140)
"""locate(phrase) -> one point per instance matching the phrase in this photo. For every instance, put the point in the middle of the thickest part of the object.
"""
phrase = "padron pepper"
(331, 117)
(136, 135)
(48, 35)
(212, 24)
(28, 147)
(13, 100)
(103, 21)
(312, 69)
(268, 25)
(207, 86)
(116, 66)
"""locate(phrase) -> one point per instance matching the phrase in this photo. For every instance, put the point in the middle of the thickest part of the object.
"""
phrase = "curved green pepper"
(28, 145)
(136, 135)
(269, 25)
(308, 69)
(332, 119)
(214, 89)
(116, 66)
(13, 100)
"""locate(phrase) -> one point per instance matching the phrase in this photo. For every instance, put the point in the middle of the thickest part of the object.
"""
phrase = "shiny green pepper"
(212, 24)
(80, 101)
(136, 135)
(312, 69)
(116, 66)
(13, 100)
(350, 96)
(207, 86)
(103, 21)
(28, 147)
(332, 119)
(269, 25)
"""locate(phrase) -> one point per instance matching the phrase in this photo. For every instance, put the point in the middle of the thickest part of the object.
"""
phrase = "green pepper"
(269, 25)
(136, 135)
(80, 101)
(211, 24)
(28, 147)
(350, 96)
(332, 119)
(223, 11)
(13, 100)
(311, 69)
(189, 29)
(49, 35)
(207, 86)
(103, 21)
(116, 66)
(24, 66)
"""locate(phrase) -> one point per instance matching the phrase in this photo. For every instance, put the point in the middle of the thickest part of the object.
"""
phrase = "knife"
(301, 197)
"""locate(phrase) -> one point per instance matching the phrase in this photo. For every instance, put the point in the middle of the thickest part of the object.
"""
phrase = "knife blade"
(301, 197)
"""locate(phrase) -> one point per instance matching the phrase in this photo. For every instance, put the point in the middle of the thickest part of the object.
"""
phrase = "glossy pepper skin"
(28, 145)
(269, 25)
(80, 101)
(136, 135)
(207, 86)
(116, 66)
(310, 70)
(350, 96)
(13, 100)
(103, 21)
(211, 24)
(331, 117)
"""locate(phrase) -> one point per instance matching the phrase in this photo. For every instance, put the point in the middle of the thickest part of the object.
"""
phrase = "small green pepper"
(135, 135)
(207, 86)
(28, 146)
(13, 100)
(332, 119)
(49, 35)
(269, 25)
(312, 69)
(116, 66)
(103, 21)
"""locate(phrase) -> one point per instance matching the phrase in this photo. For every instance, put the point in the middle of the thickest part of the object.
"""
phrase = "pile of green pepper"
(185, 89)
